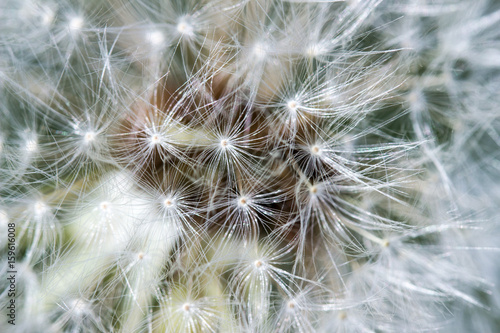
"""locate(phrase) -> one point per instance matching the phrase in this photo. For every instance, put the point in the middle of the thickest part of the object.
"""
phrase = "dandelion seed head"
(270, 143)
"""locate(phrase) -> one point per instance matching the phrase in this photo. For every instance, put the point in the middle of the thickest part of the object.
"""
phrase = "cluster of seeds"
(244, 165)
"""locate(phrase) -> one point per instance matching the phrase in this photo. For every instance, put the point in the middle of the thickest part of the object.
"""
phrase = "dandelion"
(250, 165)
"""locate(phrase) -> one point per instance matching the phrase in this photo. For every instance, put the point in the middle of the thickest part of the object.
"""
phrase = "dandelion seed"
(316, 150)
(315, 50)
(76, 24)
(48, 17)
(313, 189)
(292, 105)
(224, 143)
(89, 137)
(105, 206)
(40, 209)
(258, 263)
(169, 203)
(155, 139)
(242, 201)
(31, 146)
(260, 51)
(79, 307)
(185, 28)
(156, 38)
